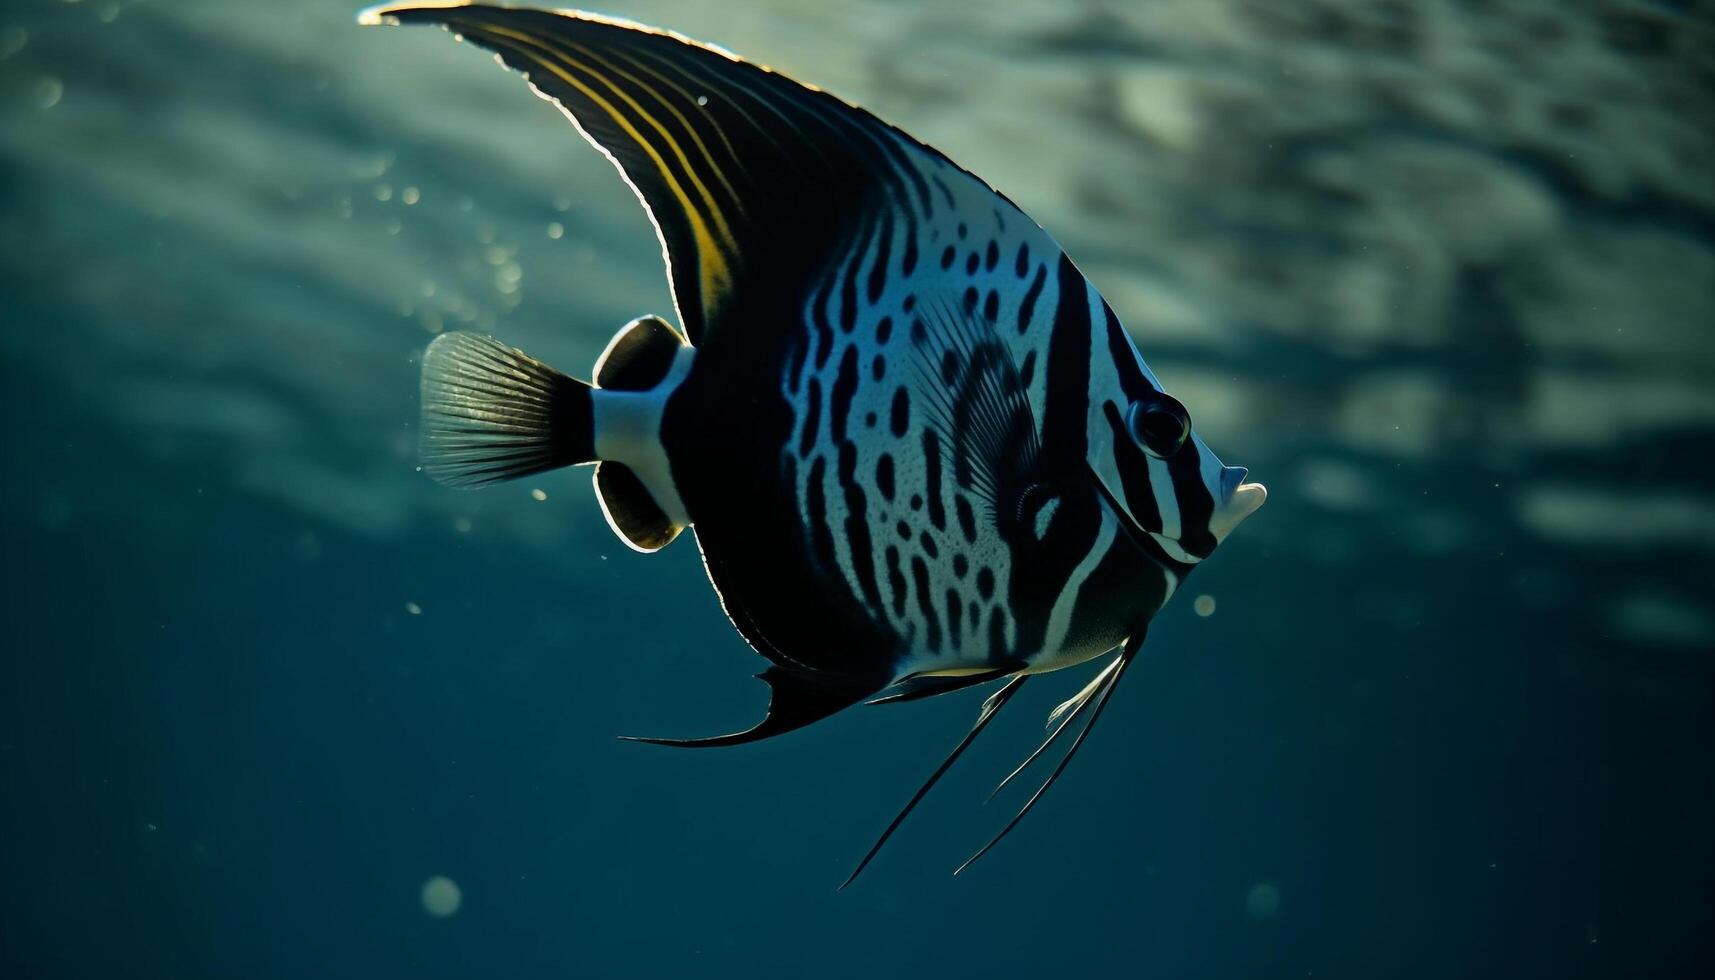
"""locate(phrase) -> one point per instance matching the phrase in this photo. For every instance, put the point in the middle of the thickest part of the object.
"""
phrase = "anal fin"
(922, 686)
(796, 698)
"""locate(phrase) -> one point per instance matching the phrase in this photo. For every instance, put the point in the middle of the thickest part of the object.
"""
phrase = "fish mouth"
(1239, 500)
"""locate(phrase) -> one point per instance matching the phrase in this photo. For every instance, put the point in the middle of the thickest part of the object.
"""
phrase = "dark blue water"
(1442, 277)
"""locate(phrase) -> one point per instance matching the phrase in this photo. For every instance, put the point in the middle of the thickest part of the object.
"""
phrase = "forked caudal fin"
(631, 509)
(493, 413)
(638, 360)
(639, 356)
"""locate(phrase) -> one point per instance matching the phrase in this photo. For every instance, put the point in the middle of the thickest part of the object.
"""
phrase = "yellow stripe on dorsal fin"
(747, 175)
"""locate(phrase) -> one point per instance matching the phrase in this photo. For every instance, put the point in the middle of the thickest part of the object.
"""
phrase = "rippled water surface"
(273, 705)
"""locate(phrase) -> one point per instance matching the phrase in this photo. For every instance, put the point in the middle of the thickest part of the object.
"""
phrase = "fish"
(916, 448)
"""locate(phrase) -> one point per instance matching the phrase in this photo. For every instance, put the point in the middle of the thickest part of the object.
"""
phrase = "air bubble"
(12, 41)
(1263, 900)
(48, 92)
(441, 896)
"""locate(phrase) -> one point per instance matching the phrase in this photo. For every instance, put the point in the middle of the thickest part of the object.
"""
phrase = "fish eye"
(1158, 424)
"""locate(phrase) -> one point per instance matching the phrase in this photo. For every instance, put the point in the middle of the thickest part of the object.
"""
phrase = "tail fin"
(638, 356)
(638, 359)
(494, 413)
(631, 509)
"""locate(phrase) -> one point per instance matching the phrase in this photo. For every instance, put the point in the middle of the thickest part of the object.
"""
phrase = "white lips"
(1247, 497)
(1242, 500)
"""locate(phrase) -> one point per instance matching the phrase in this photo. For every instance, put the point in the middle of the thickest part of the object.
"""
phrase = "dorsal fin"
(732, 160)
(638, 356)
(631, 509)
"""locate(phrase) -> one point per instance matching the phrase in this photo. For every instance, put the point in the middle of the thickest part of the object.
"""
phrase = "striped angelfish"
(917, 448)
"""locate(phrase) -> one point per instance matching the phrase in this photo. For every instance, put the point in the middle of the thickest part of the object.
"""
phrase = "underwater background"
(1442, 274)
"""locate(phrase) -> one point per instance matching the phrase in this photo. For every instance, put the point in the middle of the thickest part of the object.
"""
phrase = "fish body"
(916, 446)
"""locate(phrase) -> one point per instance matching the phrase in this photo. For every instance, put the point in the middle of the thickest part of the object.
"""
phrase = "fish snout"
(1238, 500)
